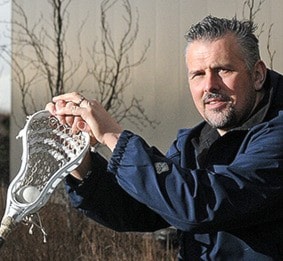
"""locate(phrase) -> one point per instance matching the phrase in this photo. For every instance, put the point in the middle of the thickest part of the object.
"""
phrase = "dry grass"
(71, 236)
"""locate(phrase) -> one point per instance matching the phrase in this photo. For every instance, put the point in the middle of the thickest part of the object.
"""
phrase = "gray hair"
(212, 28)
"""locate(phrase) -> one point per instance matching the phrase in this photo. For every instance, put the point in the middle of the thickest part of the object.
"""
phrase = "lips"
(215, 101)
(216, 105)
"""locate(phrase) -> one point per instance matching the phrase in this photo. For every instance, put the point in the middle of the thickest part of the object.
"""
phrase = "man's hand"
(86, 115)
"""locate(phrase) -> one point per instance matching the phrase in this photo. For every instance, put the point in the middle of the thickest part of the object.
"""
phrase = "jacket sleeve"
(99, 197)
(247, 191)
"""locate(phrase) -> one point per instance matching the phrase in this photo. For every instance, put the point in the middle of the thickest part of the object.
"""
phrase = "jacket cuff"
(119, 150)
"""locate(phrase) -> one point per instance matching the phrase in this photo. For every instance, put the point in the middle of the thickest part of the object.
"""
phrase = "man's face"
(221, 85)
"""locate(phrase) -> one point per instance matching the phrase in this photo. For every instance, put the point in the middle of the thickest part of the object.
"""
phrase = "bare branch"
(111, 66)
(271, 53)
(40, 58)
(253, 9)
(40, 52)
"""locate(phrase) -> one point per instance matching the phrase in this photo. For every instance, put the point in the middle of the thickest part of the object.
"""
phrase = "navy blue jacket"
(223, 194)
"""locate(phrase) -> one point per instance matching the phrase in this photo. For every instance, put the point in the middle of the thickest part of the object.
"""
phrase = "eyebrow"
(195, 71)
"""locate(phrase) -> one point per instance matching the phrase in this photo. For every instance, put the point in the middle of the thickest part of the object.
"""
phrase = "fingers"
(54, 107)
(67, 113)
(65, 108)
(69, 118)
(70, 97)
(51, 108)
(85, 115)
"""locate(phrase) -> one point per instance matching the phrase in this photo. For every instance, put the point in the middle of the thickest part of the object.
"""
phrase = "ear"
(259, 75)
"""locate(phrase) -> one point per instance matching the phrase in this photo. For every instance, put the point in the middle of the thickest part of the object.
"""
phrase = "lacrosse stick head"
(50, 152)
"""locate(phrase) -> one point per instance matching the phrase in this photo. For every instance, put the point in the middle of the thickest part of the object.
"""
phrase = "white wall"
(5, 72)
(161, 80)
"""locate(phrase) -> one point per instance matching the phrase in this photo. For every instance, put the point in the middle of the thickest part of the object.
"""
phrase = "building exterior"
(160, 81)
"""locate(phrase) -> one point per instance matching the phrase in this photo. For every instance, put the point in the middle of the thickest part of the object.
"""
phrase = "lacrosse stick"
(50, 152)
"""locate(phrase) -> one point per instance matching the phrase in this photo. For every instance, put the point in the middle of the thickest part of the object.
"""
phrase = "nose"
(211, 82)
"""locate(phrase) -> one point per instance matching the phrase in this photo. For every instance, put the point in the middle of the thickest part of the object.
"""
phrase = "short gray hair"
(213, 28)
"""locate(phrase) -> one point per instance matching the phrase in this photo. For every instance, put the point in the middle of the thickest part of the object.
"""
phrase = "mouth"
(216, 102)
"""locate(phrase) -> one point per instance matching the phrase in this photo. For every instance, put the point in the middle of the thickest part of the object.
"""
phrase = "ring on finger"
(82, 98)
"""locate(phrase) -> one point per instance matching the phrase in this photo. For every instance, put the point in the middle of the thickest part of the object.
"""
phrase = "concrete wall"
(161, 79)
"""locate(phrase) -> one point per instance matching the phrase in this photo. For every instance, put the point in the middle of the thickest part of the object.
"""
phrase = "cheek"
(239, 90)
(197, 96)
(244, 101)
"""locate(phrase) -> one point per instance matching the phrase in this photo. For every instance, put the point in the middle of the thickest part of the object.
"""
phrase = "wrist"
(111, 139)
(83, 169)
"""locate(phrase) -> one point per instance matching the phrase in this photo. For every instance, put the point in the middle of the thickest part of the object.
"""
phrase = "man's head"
(225, 72)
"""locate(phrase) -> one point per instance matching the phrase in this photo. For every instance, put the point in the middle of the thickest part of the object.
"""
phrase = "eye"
(223, 71)
(196, 74)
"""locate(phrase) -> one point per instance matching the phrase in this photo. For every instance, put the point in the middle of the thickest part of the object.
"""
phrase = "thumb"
(83, 126)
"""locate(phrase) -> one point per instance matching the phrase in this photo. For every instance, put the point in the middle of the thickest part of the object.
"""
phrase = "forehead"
(223, 49)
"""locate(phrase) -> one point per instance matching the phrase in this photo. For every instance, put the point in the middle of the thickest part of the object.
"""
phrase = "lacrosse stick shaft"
(6, 227)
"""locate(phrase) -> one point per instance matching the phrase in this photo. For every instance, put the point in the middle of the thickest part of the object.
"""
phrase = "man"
(221, 182)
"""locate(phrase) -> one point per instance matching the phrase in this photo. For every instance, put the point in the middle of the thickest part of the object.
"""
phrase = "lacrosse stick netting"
(50, 152)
